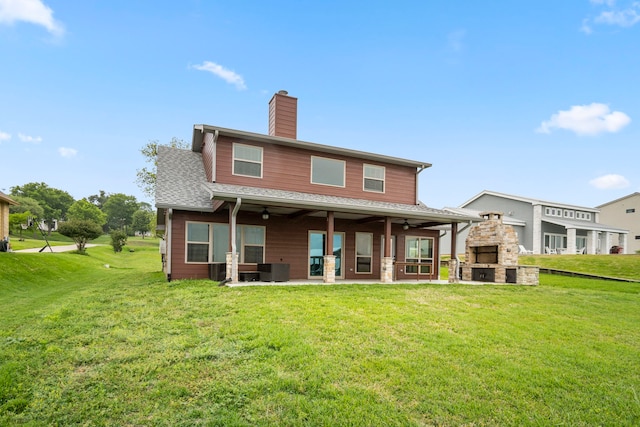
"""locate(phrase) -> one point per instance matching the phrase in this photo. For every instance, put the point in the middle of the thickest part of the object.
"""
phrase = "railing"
(418, 265)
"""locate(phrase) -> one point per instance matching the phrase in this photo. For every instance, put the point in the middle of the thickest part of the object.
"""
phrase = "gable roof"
(528, 200)
(619, 200)
(7, 199)
(200, 130)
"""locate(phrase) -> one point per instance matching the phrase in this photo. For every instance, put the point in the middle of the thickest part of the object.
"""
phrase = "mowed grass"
(82, 344)
(622, 266)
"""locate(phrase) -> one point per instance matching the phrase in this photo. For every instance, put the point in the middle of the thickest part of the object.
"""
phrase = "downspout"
(168, 242)
(233, 276)
(420, 169)
(234, 214)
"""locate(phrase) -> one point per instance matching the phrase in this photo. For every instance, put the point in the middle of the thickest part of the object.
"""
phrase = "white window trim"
(210, 242)
(187, 242)
(233, 162)
(568, 213)
(549, 211)
(364, 256)
(344, 172)
(365, 177)
(420, 260)
(243, 244)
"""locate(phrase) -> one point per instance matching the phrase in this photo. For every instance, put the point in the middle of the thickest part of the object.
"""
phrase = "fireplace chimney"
(283, 115)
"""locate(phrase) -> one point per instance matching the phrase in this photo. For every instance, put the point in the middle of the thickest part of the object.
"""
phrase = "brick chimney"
(283, 115)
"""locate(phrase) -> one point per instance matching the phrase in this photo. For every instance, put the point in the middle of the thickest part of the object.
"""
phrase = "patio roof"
(584, 225)
(353, 208)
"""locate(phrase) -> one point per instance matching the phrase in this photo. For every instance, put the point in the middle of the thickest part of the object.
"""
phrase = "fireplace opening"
(484, 255)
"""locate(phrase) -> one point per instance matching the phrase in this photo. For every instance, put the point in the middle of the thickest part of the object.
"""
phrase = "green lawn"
(622, 266)
(83, 344)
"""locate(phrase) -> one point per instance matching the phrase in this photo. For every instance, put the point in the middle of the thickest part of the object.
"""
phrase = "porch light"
(405, 226)
(265, 214)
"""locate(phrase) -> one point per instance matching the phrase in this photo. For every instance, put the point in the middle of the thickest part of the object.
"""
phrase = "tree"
(17, 220)
(83, 209)
(54, 202)
(81, 231)
(98, 199)
(26, 204)
(120, 209)
(142, 221)
(146, 177)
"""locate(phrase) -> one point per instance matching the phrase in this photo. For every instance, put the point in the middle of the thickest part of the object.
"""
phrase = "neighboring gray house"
(625, 213)
(545, 227)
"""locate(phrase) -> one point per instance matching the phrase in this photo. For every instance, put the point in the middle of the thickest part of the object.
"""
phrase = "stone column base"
(232, 267)
(329, 274)
(453, 271)
(386, 270)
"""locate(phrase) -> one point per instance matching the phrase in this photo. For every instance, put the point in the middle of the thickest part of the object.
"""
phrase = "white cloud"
(67, 152)
(33, 11)
(4, 136)
(616, 15)
(225, 74)
(610, 182)
(28, 138)
(586, 120)
(623, 18)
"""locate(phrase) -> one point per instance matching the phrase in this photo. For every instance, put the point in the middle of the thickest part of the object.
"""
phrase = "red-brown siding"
(289, 168)
(287, 242)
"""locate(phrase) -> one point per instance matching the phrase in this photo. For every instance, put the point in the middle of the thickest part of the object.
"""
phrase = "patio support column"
(329, 271)
(386, 265)
(592, 242)
(536, 230)
(607, 242)
(453, 262)
(622, 241)
(571, 241)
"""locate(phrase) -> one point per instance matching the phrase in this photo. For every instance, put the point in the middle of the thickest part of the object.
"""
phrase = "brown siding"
(289, 168)
(287, 242)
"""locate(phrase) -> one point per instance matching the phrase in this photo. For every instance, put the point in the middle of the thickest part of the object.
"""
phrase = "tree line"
(83, 219)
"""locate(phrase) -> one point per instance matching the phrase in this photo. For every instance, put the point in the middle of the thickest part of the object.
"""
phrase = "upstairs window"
(326, 171)
(373, 178)
(553, 212)
(583, 215)
(247, 160)
(632, 210)
(568, 214)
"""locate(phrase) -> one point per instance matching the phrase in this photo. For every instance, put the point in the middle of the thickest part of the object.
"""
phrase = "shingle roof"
(179, 180)
(324, 202)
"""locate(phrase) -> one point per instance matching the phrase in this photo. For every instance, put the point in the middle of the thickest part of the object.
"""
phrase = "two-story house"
(547, 227)
(238, 201)
(624, 213)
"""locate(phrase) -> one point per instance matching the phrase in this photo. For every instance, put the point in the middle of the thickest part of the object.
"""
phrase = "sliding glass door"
(317, 244)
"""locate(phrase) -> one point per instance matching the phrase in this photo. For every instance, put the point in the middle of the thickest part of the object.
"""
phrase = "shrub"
(81, 231)
(118, 240)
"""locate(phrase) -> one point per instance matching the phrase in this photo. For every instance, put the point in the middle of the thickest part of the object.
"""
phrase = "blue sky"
(534, 98)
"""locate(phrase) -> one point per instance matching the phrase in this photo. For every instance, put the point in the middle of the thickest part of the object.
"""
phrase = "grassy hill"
(83, 344)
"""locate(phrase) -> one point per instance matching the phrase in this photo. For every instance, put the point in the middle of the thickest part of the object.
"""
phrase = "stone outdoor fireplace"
(491, 254)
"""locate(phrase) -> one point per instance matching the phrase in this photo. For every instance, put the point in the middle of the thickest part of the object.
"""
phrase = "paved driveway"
(63, 248)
